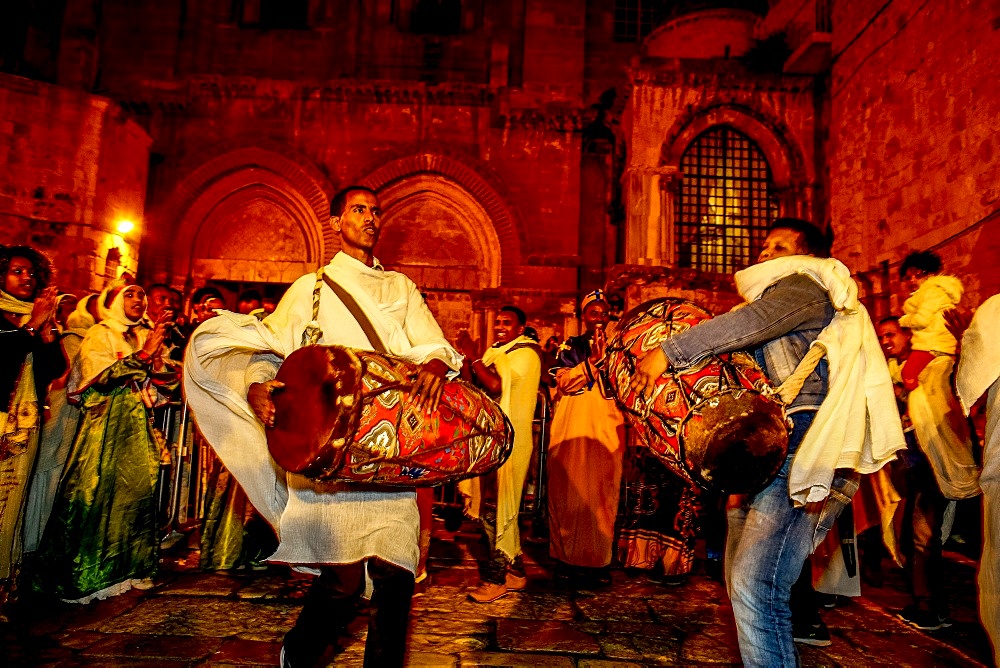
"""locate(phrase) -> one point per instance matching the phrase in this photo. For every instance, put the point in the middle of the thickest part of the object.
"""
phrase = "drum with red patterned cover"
(712, 423)
(344, 415)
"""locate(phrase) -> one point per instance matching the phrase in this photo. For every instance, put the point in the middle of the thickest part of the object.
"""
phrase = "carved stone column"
(650, 215)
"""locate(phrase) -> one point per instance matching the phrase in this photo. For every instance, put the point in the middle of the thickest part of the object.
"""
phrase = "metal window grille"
(726, 202)
(634, 19)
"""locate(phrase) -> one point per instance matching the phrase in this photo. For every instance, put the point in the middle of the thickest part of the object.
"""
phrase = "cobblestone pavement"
(223, 619)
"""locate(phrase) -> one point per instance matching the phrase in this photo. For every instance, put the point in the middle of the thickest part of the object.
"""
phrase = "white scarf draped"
(11, 304)
(215, 384)
(857, 425)
(979, 365)
(80, 321)
(518, 404)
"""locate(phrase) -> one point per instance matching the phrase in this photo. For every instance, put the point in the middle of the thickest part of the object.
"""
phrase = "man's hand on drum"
(652, 366)
(426, 392)
(261, 399)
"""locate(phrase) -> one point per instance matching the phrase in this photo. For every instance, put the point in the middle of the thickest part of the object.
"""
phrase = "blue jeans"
(768, 542)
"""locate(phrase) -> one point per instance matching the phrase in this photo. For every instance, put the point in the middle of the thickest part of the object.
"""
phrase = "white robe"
(317, 523)
(978, 374)
(519, 372)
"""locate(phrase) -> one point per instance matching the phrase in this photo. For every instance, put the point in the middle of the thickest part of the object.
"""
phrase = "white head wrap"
(116, 318)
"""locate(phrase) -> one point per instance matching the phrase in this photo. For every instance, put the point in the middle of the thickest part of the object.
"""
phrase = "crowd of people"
(82, 379)
(880, 417)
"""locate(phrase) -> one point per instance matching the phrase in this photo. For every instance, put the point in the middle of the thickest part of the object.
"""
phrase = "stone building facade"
(525, 150)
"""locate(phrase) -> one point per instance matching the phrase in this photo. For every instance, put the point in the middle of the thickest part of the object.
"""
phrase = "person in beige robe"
(512, 369)
(584, 464)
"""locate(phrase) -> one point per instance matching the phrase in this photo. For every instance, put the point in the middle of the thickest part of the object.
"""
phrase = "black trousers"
(923, 520)
(332, 602)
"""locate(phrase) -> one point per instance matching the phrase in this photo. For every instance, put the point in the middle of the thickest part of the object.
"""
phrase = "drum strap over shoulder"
(313, 334)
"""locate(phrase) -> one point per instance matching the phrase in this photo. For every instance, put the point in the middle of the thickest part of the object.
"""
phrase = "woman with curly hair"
(32, 359)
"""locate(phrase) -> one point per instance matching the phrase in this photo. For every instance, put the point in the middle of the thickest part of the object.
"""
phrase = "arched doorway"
(440, 236)
(250, 216)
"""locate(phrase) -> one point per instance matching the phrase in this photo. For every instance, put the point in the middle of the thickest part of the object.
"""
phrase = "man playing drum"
(347, 533)
(797, 296)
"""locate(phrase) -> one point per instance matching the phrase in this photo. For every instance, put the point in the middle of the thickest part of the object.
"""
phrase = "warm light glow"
(125, 226)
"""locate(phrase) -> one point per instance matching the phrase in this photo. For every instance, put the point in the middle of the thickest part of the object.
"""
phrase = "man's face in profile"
(782, 242)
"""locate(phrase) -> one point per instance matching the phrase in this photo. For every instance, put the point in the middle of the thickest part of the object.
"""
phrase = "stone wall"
(71, 167)
(913, 156)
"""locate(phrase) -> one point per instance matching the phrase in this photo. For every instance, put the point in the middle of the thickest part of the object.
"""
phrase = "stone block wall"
(914, 160)
(71, 167)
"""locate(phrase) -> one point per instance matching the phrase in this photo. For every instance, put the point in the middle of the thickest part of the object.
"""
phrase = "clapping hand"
(43, 312)
(155, 340)
(598, 344)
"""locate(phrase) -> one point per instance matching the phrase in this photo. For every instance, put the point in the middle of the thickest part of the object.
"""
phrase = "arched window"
(726, 202)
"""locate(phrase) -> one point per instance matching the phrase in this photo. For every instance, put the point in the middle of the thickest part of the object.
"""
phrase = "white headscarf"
(114, 316)
(80, 320)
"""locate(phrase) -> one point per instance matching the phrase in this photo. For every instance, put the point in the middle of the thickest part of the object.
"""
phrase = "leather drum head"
(734, 442)
(317, 410)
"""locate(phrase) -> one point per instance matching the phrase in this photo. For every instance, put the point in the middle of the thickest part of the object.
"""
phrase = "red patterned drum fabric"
(343, 415)
(710, 423)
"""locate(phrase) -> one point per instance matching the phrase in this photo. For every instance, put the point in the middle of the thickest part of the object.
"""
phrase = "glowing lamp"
(125, 226)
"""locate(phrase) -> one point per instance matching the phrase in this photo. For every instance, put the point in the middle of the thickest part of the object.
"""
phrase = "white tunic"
(979, 374)
(318, 523)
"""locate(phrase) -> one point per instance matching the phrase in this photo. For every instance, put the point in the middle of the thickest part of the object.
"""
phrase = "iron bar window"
(634, 19)
(726, 202)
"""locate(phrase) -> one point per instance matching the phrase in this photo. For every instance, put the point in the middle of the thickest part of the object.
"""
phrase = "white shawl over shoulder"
(857, 427)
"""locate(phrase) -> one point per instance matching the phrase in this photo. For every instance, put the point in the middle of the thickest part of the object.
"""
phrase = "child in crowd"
(931, 294)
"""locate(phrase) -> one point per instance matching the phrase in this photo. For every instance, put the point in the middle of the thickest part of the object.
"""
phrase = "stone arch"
(260, 186)
(450, 247)
(791, 172)
(424, 169)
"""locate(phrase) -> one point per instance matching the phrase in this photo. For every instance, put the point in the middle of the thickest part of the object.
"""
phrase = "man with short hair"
(797, 296)
(249, 301)
(159, 300)
(205, 301)
(511, 369)
(162, 300)
(925, 505)
(352, 535)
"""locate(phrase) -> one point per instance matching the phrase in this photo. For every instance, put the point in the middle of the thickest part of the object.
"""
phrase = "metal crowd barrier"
(183, 480)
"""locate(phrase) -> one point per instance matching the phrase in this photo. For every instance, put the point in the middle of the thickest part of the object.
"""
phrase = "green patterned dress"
(102, 536)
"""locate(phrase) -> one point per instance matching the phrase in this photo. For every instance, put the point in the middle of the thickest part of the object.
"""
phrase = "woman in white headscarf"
(101, 539)
(29, 361)
(60, 426)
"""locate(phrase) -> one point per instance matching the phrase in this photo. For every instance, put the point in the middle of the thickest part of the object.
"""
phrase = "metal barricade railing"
(183, 480)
